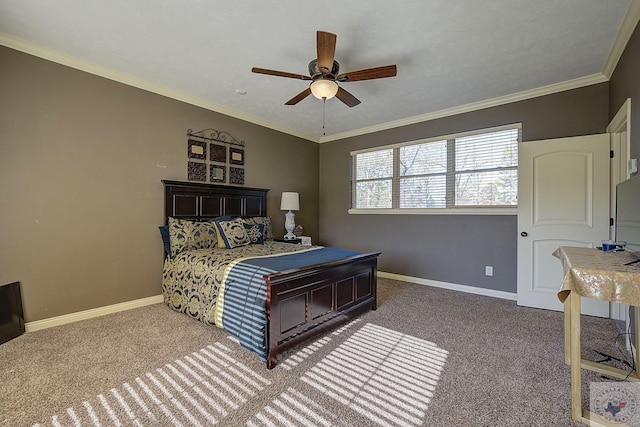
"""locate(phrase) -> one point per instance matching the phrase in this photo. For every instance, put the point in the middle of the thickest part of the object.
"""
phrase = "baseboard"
(101, 311)
(452, 286)
(88, 314)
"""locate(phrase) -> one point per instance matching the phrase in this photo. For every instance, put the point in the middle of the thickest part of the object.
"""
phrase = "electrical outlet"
(488, 270)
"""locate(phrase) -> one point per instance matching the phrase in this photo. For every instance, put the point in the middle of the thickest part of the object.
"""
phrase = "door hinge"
(610, 222)
(611, 154)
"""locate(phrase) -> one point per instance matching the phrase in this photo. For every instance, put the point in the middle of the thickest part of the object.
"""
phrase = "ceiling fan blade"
(369, 74)
(279, 73)
(326, 47)
(347, 98)
(299, 97)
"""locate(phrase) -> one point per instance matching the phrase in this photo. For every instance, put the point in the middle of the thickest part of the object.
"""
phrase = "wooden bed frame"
(301, 303)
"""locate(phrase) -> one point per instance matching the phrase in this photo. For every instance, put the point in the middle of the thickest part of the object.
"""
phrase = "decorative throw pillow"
(255, 233)
(187, 235)
(232, 234)
(268, 229)
(220, 218)
(164, 233)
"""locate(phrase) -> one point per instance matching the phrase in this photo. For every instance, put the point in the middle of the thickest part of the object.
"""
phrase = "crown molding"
(631, 19)
(494, 102)
(629, 23)
(120, 77)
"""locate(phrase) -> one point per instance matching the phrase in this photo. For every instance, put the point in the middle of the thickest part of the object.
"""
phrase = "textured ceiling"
(449, 54)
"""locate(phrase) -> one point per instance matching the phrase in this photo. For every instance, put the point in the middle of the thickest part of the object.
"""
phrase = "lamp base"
(290, 225)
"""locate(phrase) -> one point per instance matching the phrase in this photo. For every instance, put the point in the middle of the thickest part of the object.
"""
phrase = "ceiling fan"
(324, 74)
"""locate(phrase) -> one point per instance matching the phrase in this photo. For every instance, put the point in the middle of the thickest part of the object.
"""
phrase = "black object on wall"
(11, 315)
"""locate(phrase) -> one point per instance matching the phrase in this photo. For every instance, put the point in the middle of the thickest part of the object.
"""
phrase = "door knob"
(524, 234)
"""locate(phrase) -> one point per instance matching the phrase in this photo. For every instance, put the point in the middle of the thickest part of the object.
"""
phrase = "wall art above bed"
(214, 156)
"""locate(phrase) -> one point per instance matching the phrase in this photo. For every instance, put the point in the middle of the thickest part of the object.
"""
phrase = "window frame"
(450, 174)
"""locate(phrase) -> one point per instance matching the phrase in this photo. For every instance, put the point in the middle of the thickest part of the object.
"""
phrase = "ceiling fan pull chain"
(324, 102)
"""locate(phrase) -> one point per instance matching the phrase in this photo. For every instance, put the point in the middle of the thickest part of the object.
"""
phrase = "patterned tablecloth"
(601, 275)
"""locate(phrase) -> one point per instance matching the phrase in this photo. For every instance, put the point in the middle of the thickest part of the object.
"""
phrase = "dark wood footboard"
(304, 303)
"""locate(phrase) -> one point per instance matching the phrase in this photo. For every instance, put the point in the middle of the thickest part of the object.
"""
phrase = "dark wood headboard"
(200, 202)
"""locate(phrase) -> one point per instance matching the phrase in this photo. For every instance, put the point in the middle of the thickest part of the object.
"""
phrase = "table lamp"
(289, 202)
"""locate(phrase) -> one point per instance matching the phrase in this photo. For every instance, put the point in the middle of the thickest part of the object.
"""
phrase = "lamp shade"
(289, 201)
(324, 89)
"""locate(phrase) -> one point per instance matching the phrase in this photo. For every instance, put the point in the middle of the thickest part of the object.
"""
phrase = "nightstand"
(294, 241)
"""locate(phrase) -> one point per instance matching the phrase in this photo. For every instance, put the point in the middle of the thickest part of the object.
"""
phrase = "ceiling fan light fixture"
(324, 89)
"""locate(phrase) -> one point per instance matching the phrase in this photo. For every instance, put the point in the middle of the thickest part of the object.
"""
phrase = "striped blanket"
(241, 306)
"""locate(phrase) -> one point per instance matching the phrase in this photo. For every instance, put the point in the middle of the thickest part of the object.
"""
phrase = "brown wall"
(453, 249)
(625, 83)
(81, 160)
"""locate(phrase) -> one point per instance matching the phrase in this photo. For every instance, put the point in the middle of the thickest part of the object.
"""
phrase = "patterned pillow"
(255, 233)
(232, 234)
(220, 218)
(164, 233)
(268, 230)
(187, 235)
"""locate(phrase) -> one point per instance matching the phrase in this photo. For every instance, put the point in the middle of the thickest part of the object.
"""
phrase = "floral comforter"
(191, 281)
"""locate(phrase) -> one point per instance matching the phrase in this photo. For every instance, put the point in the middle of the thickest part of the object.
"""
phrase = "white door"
(563, 200)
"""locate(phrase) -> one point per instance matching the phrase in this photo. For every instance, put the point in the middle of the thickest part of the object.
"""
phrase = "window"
(471, 170)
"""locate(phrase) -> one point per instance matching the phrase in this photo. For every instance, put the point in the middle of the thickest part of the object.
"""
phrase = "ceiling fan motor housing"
(315, 72)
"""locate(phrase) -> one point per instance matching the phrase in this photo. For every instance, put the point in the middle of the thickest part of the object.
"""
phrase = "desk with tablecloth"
(592, 273)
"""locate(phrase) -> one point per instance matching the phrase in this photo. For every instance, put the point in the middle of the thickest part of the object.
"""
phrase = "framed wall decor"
(236, 156)
(236, 175)
(218, 153)
(215, 156)
(217, 173)
(197, 171)
(197, 149)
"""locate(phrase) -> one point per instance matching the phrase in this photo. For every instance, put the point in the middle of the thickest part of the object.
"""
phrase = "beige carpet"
(427, 356)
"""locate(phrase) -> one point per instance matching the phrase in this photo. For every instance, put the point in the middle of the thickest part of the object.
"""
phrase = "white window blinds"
(423, 175)
(374, 175)
(471, 170)
(486, 169)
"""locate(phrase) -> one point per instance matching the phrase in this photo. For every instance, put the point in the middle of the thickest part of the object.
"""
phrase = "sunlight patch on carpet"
(294, 359)
(201, 388)
(294, 408)
(376, 376)
(382, 375)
